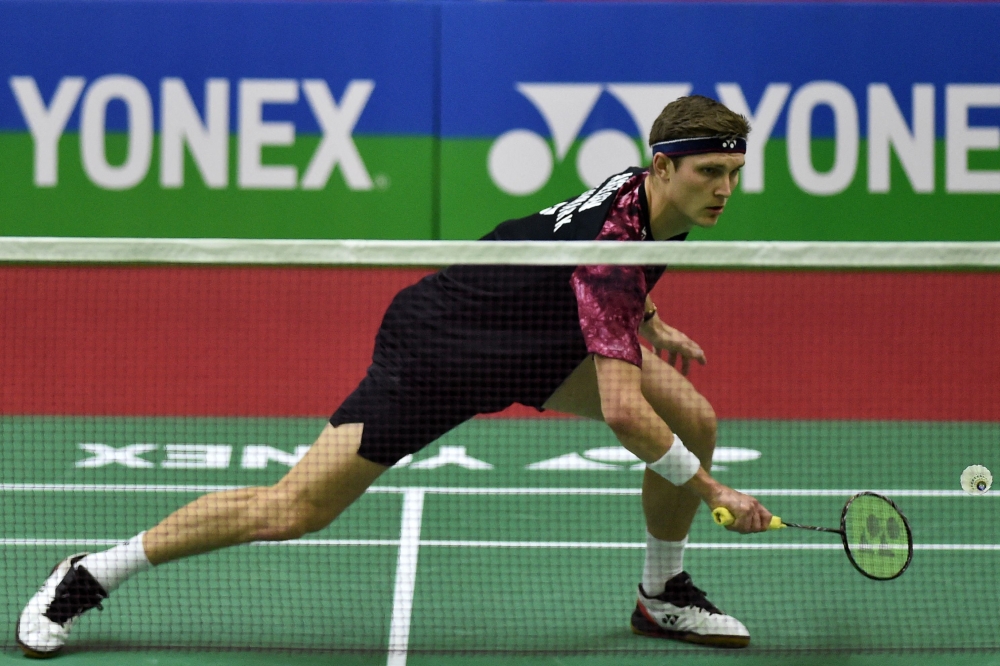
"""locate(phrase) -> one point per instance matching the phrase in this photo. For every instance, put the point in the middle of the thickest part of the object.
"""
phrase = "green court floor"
(507, 541)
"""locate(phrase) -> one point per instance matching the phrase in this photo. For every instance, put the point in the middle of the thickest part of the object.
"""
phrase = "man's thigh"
(672, 396)
(578, 393)
(331, 475)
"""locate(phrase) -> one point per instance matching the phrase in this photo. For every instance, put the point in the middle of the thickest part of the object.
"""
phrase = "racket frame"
(778, 523)
(847, 548)
(843, 534)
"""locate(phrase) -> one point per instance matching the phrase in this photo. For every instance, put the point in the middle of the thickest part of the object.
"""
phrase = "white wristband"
(678, 465)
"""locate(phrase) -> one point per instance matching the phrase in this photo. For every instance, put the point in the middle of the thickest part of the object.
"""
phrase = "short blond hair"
(696, 116)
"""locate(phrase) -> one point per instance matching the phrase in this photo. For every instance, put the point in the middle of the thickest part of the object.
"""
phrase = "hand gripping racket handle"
(722, 516)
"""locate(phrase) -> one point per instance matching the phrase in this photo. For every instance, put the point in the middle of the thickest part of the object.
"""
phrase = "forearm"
(648, 437)
(641, 430)
(633, 420)
(704, 486)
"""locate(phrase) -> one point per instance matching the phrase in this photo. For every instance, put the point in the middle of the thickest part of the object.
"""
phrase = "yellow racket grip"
(722, 516)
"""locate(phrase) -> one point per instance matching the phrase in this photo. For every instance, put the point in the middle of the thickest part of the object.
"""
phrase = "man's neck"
(665, 221)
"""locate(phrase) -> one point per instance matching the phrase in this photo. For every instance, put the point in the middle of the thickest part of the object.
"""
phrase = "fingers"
(745, 523)
(751, 516)
(686, 354)
(697, 354)
(758, 518)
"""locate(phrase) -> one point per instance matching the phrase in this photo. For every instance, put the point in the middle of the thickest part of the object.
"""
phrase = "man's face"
(701, 185)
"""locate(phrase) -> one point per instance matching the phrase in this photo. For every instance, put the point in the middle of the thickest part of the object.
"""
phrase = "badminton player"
(475, 339)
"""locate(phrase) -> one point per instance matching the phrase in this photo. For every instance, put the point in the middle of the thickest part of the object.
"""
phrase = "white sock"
(113, 567)
(664, 560)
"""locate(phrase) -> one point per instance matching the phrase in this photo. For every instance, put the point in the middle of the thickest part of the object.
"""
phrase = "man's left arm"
(667, 338)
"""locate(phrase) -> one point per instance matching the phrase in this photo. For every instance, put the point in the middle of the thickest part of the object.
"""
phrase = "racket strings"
(877, 537)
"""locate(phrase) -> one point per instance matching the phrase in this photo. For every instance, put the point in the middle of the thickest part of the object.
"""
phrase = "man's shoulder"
(577, 218)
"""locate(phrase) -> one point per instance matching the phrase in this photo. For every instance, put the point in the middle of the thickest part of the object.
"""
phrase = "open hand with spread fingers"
(668, 339)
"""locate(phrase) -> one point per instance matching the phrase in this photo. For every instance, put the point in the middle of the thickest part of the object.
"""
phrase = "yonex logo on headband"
(702, 144)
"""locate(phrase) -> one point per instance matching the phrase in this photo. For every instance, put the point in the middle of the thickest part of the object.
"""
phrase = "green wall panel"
(471, 204)
(398, 206)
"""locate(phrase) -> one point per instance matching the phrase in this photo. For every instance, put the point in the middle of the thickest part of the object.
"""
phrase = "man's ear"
(663, 167)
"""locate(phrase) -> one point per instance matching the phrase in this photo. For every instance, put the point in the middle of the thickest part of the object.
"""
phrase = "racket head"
(876, 536)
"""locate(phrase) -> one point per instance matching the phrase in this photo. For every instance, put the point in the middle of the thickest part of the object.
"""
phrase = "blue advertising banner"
(384, 120)
(217, 119)
(870, 122)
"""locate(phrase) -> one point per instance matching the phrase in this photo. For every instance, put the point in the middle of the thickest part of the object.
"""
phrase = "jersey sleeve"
(610, 303)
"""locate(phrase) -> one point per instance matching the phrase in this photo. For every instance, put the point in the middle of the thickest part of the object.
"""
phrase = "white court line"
(638, 545)
(757, 492)
(406, 576)
(61, 542)
(793, 492)
(534, 544)
(110, 488)
(329, 542)
(115, 542)
(956, 546)
(444, 490)
(411, 569)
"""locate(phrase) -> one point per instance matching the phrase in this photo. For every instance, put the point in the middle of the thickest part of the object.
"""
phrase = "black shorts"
(398, 420)
(441, 359)
(401, 418)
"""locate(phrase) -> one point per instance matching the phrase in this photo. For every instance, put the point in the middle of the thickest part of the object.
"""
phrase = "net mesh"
(132, 389)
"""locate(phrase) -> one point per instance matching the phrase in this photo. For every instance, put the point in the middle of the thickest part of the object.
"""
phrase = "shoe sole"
(31, 652)
(28, 652)
(642, 626)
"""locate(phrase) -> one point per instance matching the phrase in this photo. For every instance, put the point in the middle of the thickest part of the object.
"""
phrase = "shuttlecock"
(976, 480)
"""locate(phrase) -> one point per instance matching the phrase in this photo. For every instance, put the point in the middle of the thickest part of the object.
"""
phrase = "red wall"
(284, 342)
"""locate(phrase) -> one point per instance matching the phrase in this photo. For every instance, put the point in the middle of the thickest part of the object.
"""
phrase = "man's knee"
(282, 516)
(701, 438)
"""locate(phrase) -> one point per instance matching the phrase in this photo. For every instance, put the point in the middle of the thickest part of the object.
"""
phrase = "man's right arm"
(641, 430)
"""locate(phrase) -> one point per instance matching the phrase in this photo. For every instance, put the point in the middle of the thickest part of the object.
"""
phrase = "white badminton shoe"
(67, 593)
(682, 612)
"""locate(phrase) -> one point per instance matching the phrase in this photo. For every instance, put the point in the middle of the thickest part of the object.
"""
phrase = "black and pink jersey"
(471, 340)
(533, 325)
